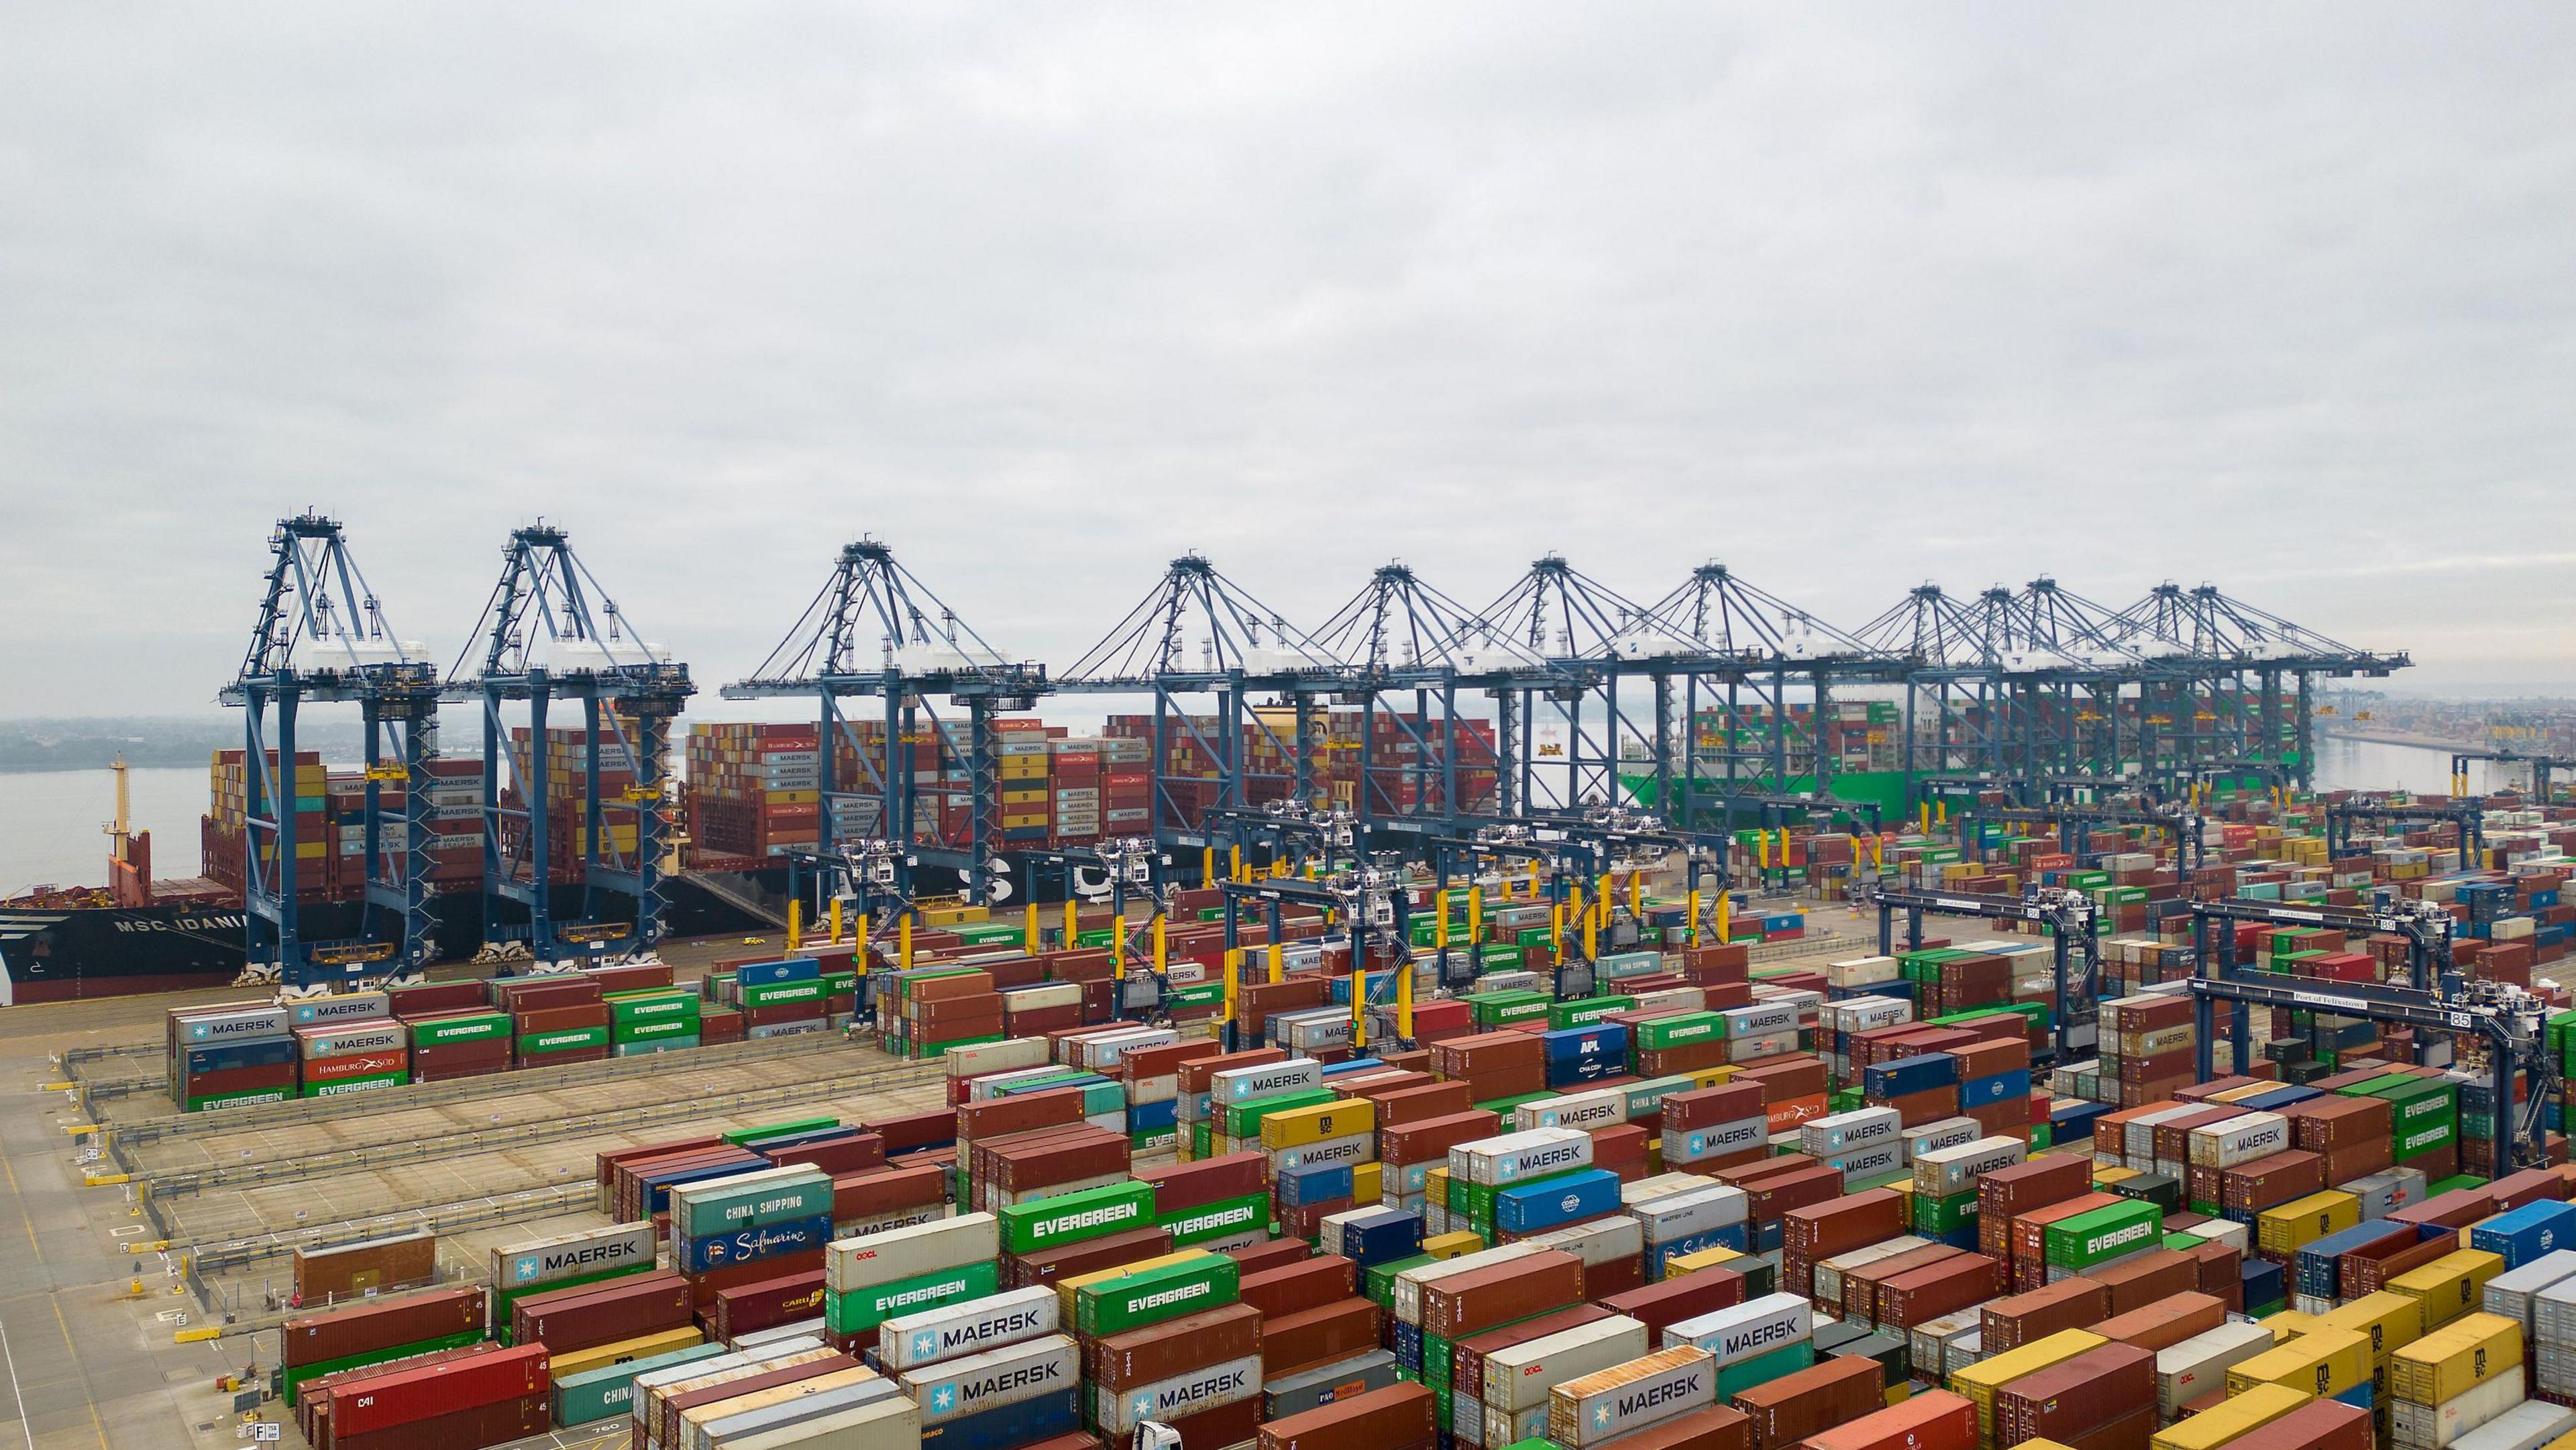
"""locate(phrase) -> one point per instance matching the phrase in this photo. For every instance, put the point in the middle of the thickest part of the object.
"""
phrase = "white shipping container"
(893, 1423)
(977, 1059)
(2198, 1365)
(1585, 1412)
(953, 1330)
(1518, 1157)
(2434, 1427)
(1269, 1080)
(2238, 1140)
(1944, 1133)
(1210, 1388)
(1602, 1241)
(1838, 1133)
(1944, 1172)
(1674, 1217)
(1741, 1331)
(1606, 1108)
(905, 1253)
(1520, 1377)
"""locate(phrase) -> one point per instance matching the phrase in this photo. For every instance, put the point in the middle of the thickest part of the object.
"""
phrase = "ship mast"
(121, 830)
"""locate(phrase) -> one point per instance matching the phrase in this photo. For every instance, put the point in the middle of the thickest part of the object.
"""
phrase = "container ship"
(749, 794)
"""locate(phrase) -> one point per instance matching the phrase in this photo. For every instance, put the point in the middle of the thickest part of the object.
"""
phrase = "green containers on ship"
(533, 1046)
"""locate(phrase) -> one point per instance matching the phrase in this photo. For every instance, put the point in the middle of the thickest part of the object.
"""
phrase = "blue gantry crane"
(322, 639)
(876, 632)
(550, 636)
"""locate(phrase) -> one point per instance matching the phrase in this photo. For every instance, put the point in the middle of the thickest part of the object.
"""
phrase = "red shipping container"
(399, 1399)
(767, 1304)
(1933, 1420)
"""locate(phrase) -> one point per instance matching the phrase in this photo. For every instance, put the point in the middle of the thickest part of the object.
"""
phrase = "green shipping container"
(609, 1390)
(773, 994)
(479, 1027)
(628, 1007)
(247, 1097)
(1502, 1009)
(1379, 1282)
(696, 1215)
(1656, 1034)
(648, 1030)
(348, 1085)
(1945, 1215)
(1150, 1296)
(1761, 1369)
(1191, 1226)
(1584, 1011)
(1197, 994)
(2090, 1240)
(2418, 1103)
(862, 1310)
(746, 1137)
(538, 1044)
(1072, 1217)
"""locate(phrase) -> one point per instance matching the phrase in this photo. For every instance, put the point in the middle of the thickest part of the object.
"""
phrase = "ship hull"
(58, 955)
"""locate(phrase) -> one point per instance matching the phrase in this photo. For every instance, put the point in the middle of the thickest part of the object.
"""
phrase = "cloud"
(1045, 296)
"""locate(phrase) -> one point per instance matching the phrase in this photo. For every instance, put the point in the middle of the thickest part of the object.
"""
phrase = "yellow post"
(1160, 956)
(836, 918)
(1591, 937)
(1234, 862)
(859, 934)
(1072, 922)
(1440, 920)
(1556, 930)
(1762, 850)
(1475, 915)
(795, 926)
(1941, 812)
(1233, 974)
(1404, 1002)
(1359, 1003)
(1637, 895)
(1602, 895)
(1877, 850)
(1207, 865)
(1694, 916)
(1029, 928)
(903, 940)
(1278, 962)
(1533, 881)
(1923, 810)
(1725, 917)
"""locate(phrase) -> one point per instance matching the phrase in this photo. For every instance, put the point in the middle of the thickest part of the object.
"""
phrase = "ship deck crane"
(550, 636)
(322, 639)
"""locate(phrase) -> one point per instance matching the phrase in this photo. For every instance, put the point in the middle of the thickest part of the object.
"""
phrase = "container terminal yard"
(1562, 1024)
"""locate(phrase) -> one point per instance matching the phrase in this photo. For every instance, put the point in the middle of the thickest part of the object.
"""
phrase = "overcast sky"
(1848, 297)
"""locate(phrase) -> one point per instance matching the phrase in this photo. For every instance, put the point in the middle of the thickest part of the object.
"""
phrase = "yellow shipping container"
(1979, 1381)
(2392, 1321)
(1297, 1127)
(2450, 1286)
(1368, 1182)
(1698, 1259)
(2233, 1096)
(2324, 1362)
(1451, 1245)
(2455, 1359)
(2239, 1415)
(2105, 1177)
(2289, 1324)
(2294, 1225)
(641, 1347)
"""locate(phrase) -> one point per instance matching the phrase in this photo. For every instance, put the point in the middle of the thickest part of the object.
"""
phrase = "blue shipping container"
(1732, 1236)
(751, 1245)
(267, 1053)
(763, 974)
(1978, 1092)
(2527, 1232)
(1602, 1039)
(1057, 1412)
(1153, 1117)
(2318, 1274)
(1530, 1208)
(1314, 1183)
(1886, 1080)
(1382, 1238)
